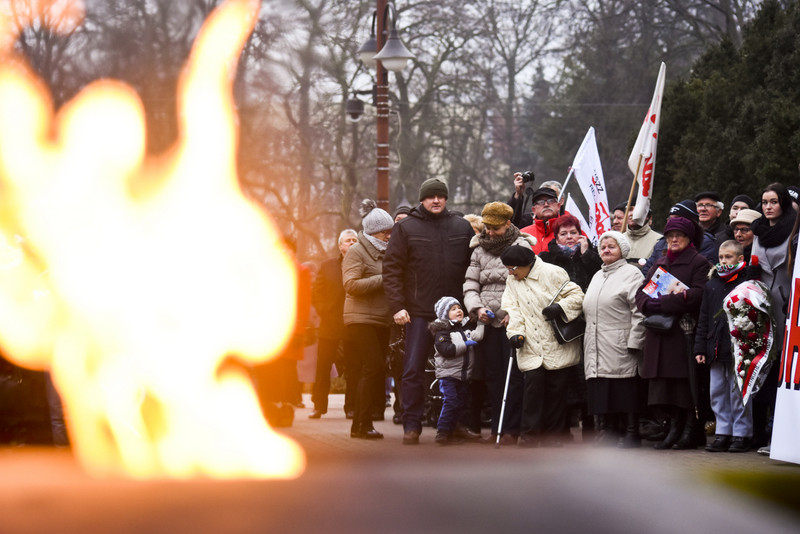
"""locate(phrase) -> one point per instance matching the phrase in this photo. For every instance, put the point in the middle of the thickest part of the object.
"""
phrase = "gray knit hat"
(443, 305)
(374, 219)
(432, 187)
(622, 241)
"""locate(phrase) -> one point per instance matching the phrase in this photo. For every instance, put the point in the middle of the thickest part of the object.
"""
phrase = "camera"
(528, 176)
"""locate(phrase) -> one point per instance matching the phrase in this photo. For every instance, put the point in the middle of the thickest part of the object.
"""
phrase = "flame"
(134, 278)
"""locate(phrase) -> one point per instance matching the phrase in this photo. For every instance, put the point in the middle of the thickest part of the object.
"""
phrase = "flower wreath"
(748, 308)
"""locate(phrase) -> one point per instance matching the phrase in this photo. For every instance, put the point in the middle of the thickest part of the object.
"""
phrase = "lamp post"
(393, 55)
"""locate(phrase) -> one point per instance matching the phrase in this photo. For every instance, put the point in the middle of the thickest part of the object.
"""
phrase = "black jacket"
(712, 337)
(427, 259)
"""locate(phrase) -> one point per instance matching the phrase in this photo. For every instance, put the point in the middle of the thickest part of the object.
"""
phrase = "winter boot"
(599, 429)
(693, 434)
(631, 439)
(677, 421)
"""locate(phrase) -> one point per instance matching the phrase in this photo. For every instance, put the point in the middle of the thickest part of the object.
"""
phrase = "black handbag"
(659, 322)
(564, 331)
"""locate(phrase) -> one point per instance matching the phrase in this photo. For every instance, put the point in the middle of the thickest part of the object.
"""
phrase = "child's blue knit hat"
(443, 305)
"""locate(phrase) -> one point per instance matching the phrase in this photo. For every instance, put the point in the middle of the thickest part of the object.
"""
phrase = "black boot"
(599, 429)
(631, 439)
(677, 421)
(693, 434)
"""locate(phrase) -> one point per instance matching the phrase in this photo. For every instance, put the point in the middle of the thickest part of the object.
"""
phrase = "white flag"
(589, 174)
(642, 161)
(572, 208)
(786, 424)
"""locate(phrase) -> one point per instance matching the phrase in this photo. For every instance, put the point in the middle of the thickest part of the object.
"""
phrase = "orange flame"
(133, 279)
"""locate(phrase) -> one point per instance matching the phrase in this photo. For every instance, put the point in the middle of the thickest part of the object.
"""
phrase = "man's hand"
(402, 317)
(519, 185)
(701, 359)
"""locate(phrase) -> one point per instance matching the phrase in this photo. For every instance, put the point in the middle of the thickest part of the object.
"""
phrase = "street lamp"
(394, 56)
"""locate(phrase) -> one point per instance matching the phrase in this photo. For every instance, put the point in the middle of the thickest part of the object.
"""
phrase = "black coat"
(712, 337)
(427, 259)
(665, 354)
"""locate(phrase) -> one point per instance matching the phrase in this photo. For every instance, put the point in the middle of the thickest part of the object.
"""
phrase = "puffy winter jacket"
(426, 260)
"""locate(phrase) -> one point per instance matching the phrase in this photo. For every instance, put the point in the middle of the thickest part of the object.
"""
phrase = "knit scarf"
(377, 243)
(495, 247)
(672, 256)
(729, 272)
(772, 236)
(569, 250)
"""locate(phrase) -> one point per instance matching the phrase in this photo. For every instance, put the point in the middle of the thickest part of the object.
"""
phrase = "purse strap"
(552, 300)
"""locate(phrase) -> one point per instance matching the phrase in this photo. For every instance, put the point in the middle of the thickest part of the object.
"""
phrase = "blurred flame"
(135, 278)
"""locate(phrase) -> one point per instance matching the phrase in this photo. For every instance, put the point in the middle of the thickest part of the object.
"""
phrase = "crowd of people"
(487, 304)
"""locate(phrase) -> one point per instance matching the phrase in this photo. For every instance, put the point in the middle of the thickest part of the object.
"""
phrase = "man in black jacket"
(427, 258)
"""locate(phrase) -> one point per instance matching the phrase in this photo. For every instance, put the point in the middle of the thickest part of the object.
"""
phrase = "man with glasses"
(546, 207)
(709, 211)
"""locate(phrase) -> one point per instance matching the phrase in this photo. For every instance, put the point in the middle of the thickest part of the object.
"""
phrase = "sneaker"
(764, 451)
(739, 444)
(411, 437)
(721, 443)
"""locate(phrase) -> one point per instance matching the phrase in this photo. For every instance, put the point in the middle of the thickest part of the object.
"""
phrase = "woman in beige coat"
(366, 317)
(613, 341)
(544, 363)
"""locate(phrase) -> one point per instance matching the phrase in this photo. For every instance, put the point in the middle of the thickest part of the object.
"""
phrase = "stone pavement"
(353, 485)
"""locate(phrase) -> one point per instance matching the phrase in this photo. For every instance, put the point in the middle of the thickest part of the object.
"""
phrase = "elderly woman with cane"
(538, 292)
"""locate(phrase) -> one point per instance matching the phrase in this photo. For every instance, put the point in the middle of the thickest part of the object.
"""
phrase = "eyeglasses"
(742, 230)
(543, 201)
(512, 268)
(706, 206)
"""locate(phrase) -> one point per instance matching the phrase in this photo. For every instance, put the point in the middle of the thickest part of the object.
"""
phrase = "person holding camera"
(546, 209)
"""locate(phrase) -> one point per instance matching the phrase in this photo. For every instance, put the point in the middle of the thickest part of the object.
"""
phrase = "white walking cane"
(505, 396)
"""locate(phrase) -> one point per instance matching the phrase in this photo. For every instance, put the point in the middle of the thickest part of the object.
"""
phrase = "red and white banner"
(786, 425)
(589, 173)
(572, 208)
(642, 161)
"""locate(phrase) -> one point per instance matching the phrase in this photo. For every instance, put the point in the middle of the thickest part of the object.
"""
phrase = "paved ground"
(354, 485)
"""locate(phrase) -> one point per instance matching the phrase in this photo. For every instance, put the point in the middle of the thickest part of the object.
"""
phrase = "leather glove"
(517, 341)
(552, 311)
(470, 342)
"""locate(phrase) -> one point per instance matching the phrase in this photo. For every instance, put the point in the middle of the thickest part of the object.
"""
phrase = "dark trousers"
(544, 401)
(419, 347)
(496, 352)
(327, 352)
(369, 344)
(454, 393)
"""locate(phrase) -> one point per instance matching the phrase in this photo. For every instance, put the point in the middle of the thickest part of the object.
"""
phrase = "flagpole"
(566, 181)
(630, 196)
